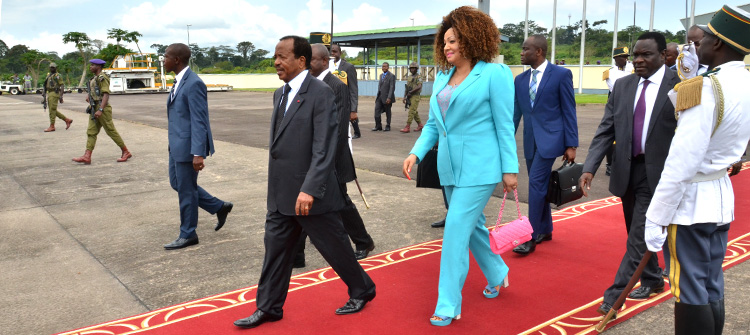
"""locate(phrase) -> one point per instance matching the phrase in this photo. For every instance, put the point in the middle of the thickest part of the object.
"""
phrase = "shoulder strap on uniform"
(688, 93)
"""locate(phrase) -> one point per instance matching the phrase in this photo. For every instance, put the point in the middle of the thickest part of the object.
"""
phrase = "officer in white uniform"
(621, 68)
(694, 201)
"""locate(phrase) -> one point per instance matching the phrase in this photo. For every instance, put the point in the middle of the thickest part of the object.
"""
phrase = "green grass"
(591, 99)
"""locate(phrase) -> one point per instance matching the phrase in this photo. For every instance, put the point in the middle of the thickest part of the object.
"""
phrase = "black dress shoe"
(362, 254)
(222, 215)
(377, 129)
(605, 308)
(665, 273)
(257, 319)
(387, 128)
(526, 248)
(352, 306)
(356, 136)
(438, 224)
(181, 243)
(644, 292)
(543, 237)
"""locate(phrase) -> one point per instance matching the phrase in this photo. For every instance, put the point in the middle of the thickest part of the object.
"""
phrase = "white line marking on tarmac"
(16, 103)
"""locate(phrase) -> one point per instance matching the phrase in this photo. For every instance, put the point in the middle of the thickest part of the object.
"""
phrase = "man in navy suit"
(190, 142)
(544, 97)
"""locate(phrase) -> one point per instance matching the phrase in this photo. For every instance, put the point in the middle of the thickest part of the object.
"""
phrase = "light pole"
(412, 21)
(188, 32)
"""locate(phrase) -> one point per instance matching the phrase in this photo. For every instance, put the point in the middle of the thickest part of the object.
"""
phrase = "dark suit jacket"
(189, 129)
(344, 161)
(302, 152)
(551, 125)
(387, 87)
(351, 79)
(617, 125)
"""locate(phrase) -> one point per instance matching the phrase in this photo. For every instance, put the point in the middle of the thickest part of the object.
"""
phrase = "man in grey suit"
(640, 118)
(303, 192)
(190, 141)
(344, 162)
(340, 64)
(385, 98)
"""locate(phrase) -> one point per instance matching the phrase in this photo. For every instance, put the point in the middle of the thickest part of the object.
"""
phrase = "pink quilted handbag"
(510, 235)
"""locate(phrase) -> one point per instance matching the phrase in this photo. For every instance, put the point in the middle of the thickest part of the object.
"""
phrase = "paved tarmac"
(83, 244)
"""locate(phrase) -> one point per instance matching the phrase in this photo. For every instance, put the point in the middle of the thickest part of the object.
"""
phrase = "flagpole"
(614, 36)
(583, 46)
(651, 21)
(554, 29)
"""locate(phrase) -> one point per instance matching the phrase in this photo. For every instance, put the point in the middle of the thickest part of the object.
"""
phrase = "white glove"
(688, 61)
(655, 235)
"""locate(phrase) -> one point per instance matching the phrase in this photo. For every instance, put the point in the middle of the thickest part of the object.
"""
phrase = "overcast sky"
(40, 24)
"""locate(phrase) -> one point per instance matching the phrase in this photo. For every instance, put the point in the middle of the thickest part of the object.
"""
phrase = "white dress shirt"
(694, 153)
(651, 92)
(323, 74)
(539, 75)
(333, 65)
(295, 85)
(177, 81)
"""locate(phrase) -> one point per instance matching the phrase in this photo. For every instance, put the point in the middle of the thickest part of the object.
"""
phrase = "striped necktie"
(174, 86)
(532, 87)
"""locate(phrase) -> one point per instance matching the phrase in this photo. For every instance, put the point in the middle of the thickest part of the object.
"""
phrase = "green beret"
(621, 51)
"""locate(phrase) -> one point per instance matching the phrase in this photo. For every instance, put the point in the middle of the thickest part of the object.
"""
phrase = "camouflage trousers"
(104, 121)
(413, 113)
(52, 100)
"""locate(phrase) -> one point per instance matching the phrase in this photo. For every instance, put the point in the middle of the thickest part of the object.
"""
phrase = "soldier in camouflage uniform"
(53, 92)
(101, 114)
(411, 98)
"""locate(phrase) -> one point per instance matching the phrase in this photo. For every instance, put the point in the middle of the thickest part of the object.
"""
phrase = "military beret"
(97, 61)
(53, 65)
(731, 25)
(413, 64)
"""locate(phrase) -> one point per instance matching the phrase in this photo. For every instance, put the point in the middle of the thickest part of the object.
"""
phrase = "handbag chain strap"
(502, 207)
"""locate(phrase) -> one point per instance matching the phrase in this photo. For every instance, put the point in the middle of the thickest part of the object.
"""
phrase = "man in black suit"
(640, 118)
(340, 64)
(384, 99)
(345, 172)
(303, 193)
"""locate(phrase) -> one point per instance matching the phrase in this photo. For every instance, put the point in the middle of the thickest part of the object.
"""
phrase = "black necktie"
(281, 108)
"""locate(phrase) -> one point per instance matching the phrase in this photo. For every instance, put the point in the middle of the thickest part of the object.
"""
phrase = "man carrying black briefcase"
(563, 184)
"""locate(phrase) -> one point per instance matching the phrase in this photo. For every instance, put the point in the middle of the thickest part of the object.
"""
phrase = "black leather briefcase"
(563, 184)
(427, 173)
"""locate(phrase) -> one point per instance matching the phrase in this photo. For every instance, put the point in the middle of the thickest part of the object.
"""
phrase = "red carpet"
(555, 290)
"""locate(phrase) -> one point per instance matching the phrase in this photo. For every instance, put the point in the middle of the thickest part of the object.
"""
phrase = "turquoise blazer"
(476, 140)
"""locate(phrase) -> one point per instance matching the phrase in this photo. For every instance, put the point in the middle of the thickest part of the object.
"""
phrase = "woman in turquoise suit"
(471, 117)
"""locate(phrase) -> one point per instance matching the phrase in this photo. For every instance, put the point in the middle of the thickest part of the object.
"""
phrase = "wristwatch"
(100, 109)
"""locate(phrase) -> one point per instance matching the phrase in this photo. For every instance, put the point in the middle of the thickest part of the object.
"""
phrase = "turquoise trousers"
(464, 231)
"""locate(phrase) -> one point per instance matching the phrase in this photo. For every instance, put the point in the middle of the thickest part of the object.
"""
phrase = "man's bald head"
(320, 50)
(695, 34)
(672, 54)
(319, 60)
(180, 51)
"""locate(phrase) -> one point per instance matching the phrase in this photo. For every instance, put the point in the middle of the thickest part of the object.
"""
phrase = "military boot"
(85, 159)
(125, 155)
(419, 126)
(406, 129)
(693, 319)
(51, 128)
(67, 123)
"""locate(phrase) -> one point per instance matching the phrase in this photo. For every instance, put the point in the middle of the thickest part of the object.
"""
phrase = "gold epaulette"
(341, 75)
(605, 75)
(688, 93)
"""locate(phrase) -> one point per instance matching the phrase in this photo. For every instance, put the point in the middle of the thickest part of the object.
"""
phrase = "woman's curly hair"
(478, 36)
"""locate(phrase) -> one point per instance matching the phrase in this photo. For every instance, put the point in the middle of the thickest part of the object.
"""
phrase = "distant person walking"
(411, 97)
(384, 99)
(101, 115)
(53, 92)
(27, 80)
